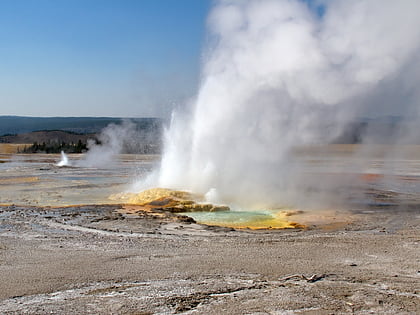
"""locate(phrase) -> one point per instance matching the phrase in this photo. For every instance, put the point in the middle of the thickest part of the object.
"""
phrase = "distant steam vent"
(73, 135)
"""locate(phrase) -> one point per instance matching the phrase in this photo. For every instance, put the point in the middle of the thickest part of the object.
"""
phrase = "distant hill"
(53, 136)
(71, 133)
(12, 125)
(55, 141)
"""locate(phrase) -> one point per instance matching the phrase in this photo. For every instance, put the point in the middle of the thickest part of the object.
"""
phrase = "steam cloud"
(111, 142)
(279, 74)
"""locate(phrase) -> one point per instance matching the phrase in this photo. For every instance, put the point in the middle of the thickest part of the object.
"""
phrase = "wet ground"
(65, 249)
(35, 179)
(341, 177)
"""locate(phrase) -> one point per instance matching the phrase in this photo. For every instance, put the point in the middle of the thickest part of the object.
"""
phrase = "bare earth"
(96, 259)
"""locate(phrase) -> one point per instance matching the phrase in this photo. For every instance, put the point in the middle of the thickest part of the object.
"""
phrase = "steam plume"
(279, 74)
(64, 160)
(111, 142)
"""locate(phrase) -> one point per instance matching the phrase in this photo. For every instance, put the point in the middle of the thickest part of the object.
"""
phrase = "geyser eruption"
(64, 160)
(280, 74)
(112, 140)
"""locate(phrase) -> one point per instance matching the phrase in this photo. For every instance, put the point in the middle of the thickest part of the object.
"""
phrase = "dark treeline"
(54, 147)
(144, 137)
(81, 147)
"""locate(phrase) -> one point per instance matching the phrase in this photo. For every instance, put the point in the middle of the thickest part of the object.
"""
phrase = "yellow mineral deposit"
(168, 199)
(18, 180)
(11, 148)
(175, 201)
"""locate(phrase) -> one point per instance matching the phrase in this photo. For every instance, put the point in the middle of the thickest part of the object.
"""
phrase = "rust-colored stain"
(371, 177)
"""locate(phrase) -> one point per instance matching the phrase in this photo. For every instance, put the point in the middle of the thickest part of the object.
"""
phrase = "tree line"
(55, 147)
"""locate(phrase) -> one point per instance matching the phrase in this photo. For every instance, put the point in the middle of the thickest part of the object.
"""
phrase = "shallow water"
(334, 177)
(261, 219)
(34, 179)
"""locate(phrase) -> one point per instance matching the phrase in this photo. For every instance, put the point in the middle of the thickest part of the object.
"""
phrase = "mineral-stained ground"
(104, 260)
(102, 256)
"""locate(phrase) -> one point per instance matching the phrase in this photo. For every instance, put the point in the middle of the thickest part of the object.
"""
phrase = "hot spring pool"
(260, 219)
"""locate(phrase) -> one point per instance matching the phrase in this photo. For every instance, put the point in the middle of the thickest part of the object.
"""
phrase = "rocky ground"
(104, 260)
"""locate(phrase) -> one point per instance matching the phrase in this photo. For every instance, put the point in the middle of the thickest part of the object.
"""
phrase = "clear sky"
(123, 58)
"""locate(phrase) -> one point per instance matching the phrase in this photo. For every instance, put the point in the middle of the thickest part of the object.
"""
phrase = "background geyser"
(279, 74)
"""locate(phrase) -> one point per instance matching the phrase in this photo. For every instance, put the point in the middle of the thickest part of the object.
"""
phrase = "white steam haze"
(111, 142)
(278, 75)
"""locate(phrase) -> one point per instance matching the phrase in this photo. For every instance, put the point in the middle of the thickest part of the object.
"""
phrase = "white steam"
(113, 140)
(64, 160)
(279, 75)
(111, 143)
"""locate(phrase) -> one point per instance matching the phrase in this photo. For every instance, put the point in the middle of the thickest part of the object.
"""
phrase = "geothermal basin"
(337, 178)
(66, 247)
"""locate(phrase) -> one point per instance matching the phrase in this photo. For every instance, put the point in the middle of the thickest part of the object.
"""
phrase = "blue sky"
(125, 58)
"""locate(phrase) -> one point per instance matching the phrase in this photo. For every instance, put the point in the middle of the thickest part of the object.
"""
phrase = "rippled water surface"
(378, 175)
